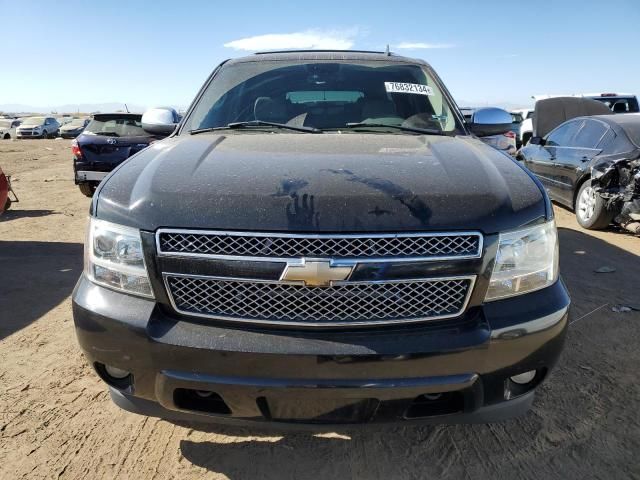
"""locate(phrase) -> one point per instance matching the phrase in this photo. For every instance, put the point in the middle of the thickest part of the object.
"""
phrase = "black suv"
(322, 240)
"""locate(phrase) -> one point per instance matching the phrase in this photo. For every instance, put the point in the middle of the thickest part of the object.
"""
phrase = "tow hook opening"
(433, 404)
(200, 401)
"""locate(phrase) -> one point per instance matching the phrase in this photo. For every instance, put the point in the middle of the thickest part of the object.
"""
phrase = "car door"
(543, 162)
(577, 157)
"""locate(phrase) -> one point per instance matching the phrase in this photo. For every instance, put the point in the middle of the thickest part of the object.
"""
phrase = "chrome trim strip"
(463, 308)
(478, 254)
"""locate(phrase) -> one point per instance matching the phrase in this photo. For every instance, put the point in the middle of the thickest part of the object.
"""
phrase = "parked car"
(322, 240)
(616, 102)
(588, 163)
(107, 141)
(8, 128)
(38, 127)
(74, 128)
(505, 142)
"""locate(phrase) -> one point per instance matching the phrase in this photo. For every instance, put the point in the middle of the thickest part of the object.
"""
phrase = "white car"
(38, 127)
(617, 102)
(8, 128)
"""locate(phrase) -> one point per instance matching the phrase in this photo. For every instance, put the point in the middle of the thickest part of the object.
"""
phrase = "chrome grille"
(462, 245)
(342, 304)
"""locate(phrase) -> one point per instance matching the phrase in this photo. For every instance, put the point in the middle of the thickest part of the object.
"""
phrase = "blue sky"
(160, 52)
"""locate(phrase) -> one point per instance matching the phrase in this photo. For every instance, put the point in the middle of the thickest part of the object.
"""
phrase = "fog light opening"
(115, 377)
(116, 372)
(523, 378)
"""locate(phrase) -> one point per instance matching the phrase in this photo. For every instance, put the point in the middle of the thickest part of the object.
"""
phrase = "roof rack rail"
(319, 51)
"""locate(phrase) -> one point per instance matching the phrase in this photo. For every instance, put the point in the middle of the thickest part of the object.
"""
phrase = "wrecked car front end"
(618, 181)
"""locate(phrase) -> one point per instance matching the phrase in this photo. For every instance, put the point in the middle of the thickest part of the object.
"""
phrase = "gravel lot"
(56, 420)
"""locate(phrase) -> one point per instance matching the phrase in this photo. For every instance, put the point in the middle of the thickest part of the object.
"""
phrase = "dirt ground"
(56, 420)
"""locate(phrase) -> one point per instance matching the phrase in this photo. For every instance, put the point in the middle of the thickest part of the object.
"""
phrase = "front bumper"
(29, 135)
(449, 372)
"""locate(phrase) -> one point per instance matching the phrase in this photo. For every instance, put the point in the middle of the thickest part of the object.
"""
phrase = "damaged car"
(107, 141)
(588, 160)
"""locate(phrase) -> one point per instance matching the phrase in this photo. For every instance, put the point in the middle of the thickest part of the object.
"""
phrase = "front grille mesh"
(453, 245)
(355, 303)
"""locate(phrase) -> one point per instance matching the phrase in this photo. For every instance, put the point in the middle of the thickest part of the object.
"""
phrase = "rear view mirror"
(160, 121)
(490, 121)
(537, 141)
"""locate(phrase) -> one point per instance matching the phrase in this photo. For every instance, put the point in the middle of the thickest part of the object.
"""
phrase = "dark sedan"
(107, 141)
(592, 165)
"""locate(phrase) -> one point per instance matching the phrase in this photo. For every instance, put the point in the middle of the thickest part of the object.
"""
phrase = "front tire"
(591, 210)
(87, 189)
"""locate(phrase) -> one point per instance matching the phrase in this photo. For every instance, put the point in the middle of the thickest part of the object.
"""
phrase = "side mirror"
(537, 141)
(490, 121)
(160, 121)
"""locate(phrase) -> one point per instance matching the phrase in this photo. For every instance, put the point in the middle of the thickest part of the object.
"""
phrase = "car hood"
(30, 125)
(323, 183)
(72, 127)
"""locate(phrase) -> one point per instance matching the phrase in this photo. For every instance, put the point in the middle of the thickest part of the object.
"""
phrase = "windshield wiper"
(257, 123)
(107, 134)
(397, 127)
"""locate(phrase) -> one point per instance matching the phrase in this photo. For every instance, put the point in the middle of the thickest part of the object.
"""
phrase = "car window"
(516, 118)
(563, 135)
(590, 134)
(116, 126)
(324, 94)
(620, 104)
(607, 140)
(530, 114)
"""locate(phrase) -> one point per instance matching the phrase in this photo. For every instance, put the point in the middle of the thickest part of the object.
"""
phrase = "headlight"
(527, 260)
(114, 258)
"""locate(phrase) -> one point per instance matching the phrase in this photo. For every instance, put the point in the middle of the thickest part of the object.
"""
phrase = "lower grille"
(342, 304)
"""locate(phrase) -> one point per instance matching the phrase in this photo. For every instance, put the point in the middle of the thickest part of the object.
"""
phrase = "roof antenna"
(387, 52)
(126, 108)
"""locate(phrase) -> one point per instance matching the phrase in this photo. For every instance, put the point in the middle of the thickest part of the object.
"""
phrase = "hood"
(30, 125)
(322, 183)
(71, 127)
(551, 112)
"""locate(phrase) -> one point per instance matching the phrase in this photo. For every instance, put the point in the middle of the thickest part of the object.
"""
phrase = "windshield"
(5, 123)
(34, 121)
(325, 95)
(116, 126)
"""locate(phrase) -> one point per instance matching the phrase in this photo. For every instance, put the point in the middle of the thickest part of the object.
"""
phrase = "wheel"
(7, 204)
(45, 134)
(87, 189)
(591, 210)
(7, 136)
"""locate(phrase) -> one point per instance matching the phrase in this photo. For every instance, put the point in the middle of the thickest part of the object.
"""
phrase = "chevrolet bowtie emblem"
(315, 273)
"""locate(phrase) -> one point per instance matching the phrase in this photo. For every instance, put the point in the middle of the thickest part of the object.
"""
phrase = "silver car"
(38, 127)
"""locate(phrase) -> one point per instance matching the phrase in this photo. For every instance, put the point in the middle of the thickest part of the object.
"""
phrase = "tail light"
(75, 149)
(510, 134)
